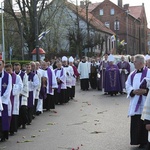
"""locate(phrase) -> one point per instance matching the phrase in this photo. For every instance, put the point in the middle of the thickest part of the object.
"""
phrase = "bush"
(19, 61)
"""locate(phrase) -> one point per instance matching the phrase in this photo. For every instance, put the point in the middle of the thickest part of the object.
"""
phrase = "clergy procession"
(29, 90)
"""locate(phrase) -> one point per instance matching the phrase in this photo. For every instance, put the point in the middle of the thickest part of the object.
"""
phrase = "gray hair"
(140, 58)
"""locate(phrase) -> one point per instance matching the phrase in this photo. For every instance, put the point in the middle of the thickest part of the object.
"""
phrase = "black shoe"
(38, 113)
(142, 146)
(12, 133)
(29, 123)
(33, 117)
(3, 139)
(24, 126)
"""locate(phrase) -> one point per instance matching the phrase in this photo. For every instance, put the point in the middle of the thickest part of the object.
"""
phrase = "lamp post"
(127, 23)
(87, 21)
(3, 38)
(116, 34)
(78, 32)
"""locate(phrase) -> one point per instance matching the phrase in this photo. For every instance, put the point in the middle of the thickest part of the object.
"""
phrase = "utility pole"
(127, 22)
(36, 30)
(87, 21)
(116, 34)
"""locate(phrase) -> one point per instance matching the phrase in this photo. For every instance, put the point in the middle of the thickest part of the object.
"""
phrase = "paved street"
(92, 121)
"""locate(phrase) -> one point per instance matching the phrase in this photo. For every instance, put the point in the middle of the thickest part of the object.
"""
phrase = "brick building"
(128, 22)
(148, 39)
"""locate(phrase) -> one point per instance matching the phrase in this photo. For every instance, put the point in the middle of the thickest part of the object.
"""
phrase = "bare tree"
(26, 17)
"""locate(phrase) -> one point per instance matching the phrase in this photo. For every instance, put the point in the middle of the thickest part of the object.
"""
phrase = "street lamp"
(87, 20)
(3, 38)
(127, 28)
(116, 26)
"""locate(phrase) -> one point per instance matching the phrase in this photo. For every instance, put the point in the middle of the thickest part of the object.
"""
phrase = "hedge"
(18, 61)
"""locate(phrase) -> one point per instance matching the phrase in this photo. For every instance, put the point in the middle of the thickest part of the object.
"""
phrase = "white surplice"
(25, 90)
(84, 70)
(61, 77)
(54, 82)
(134, 100)
(16, 90)
(6, 95)
(69, 73)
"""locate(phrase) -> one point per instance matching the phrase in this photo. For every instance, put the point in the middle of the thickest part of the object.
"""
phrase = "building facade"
(148, 40)
(128, 22)
(70, 26)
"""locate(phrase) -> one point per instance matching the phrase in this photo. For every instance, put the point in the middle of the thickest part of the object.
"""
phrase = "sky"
(131, 3)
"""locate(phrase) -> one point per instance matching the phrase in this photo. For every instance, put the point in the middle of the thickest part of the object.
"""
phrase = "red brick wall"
(134, 45)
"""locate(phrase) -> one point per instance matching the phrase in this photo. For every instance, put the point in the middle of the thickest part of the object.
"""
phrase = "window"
(101, 12)
(107, 24)
(116, 25)
(112, 11)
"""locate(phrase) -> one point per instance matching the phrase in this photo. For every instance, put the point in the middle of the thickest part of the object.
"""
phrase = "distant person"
(124, 69)
(93, 74)
(112, 83)
(84, 70)
(131, 63)
(102, 68)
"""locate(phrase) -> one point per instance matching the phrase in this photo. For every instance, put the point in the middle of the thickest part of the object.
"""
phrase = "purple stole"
(11, 95)
(22, 75)
(49, 73)
(144, 73)
(30, 98)
(5, 119)
(59, 85)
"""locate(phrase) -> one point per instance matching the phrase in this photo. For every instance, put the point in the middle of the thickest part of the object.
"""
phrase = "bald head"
(44, 65)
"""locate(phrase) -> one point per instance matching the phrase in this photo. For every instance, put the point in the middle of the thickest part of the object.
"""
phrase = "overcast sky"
(131, 3)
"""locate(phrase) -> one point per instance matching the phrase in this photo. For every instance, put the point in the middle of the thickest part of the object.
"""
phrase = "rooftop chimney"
(82, 4)
(120, 3)
(126, 6)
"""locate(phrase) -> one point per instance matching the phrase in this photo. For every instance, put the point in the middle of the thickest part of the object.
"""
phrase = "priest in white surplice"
(33, 83)
(137, 93)
(49, 102)
(23, 113)
(69, 73)
(84, 70)
(5, 91)
(14, 97)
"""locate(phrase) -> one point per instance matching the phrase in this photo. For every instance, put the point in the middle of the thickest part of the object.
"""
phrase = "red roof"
(41, 51)
(92, 6)
(93, 21)
(135, 11)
